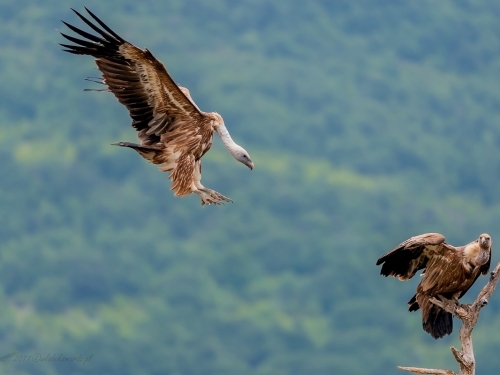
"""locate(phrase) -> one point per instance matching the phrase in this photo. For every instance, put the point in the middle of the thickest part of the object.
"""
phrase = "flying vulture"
(449, 272)
(173, 132)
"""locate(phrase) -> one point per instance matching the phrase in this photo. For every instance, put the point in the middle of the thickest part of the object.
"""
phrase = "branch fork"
(468, 314)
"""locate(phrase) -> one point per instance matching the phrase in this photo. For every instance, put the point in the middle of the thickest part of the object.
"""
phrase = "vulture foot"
(209, 196)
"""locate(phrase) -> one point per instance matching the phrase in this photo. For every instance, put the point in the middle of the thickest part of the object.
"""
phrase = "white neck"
(226, 139)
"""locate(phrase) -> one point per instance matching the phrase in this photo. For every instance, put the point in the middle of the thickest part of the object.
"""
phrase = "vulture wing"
(139, 81)
(411, 255)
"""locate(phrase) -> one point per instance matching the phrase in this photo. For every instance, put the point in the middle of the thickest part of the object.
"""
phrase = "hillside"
(368, 121)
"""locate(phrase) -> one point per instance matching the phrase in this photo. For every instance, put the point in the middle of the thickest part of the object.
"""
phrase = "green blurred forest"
(369, 121)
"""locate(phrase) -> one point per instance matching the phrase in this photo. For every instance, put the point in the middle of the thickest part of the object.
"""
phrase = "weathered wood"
(468, 314)
(417, 370)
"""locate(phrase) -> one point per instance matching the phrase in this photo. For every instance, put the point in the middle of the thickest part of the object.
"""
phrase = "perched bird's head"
(485, 240)
(242, 156)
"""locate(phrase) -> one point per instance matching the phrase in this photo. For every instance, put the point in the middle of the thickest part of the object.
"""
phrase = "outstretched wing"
(138, 80)
(411, 255)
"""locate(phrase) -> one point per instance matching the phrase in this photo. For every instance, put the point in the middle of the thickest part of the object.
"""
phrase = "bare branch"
(460, 311)
(485, 294)
(417, 370)
(462, 357)
(468, 314)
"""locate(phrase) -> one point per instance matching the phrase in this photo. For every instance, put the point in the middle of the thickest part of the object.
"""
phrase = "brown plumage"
(449, 272)
(172, 130)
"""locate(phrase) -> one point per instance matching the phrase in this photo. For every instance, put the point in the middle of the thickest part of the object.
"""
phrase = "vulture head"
(485, 241)
(238, 152)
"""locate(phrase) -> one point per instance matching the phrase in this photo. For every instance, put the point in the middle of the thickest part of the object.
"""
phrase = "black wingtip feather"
(84, 33)
(81, 42)
(104, 26)
(98, 80)
(77, 49)
(71, 51)
(94, 27)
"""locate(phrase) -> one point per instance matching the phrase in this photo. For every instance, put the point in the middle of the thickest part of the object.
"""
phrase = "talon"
(211, 197)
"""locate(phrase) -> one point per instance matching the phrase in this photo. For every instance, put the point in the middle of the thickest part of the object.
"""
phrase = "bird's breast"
(482, 258)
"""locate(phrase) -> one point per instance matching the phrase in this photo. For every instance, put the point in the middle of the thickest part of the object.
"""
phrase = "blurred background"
(369, 121)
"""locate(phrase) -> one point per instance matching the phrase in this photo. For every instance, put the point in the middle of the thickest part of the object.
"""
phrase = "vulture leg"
(207, 196)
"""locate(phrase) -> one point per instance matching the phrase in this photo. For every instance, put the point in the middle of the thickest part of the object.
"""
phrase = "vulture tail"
(436, 321)
(147, 152)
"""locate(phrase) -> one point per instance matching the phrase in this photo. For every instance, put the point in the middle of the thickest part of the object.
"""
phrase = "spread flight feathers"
(173, 132)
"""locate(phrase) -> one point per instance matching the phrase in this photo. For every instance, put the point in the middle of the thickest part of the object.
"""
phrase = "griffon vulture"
(449, 272)
(173, 132)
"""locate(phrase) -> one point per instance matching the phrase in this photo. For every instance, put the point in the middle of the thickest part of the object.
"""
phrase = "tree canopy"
(369, 121)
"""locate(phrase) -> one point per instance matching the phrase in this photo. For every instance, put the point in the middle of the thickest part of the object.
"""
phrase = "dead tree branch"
(468, 314)
(417, 370)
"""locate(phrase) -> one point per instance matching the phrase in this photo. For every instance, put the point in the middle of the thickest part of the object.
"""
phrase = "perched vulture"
(172, 130)
(449, 272)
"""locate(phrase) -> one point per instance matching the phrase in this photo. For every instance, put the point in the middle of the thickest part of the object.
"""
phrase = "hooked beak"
(250, 165)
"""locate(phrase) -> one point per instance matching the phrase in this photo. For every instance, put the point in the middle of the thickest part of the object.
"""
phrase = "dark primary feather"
(398, 262)
(409, 256)
(100, 23)
(413, 304)
(119, 73)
